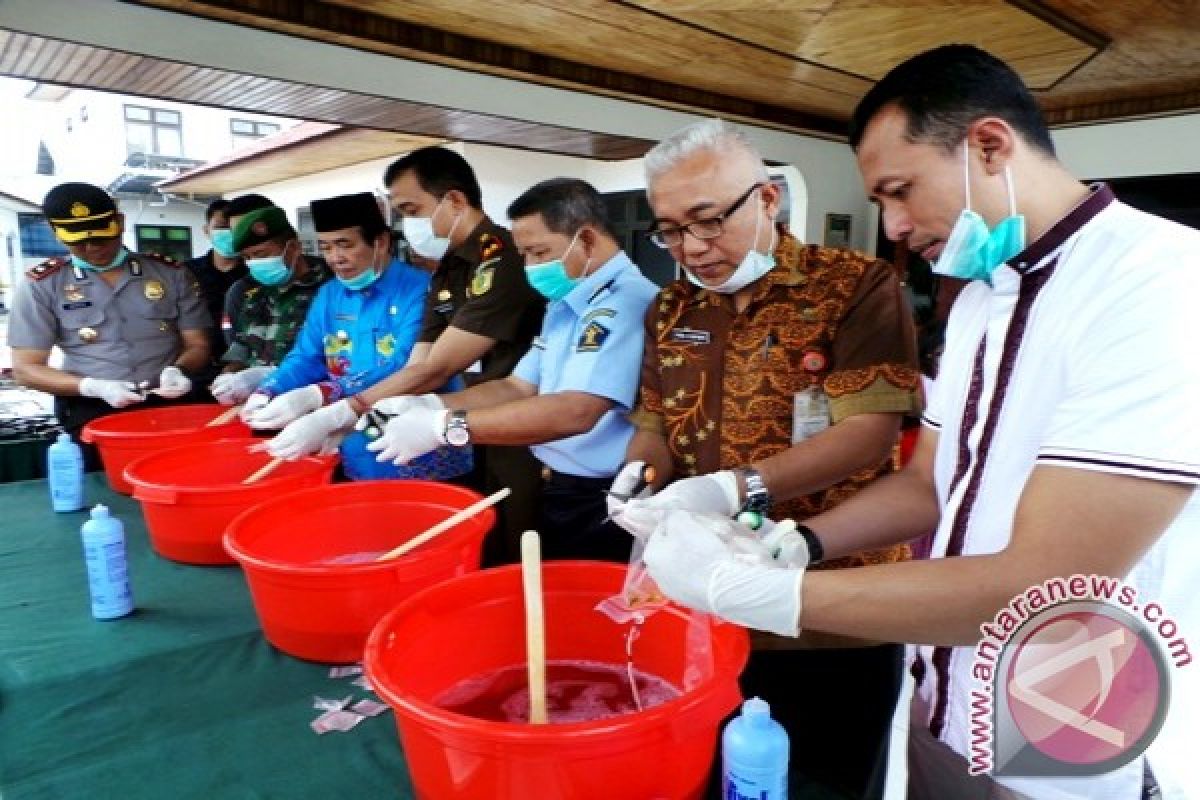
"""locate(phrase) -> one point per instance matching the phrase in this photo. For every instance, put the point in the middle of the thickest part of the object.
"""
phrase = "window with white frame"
(244, 131)
(153, 130)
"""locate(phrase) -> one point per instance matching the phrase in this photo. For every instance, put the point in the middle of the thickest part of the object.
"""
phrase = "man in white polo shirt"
(1061, 438)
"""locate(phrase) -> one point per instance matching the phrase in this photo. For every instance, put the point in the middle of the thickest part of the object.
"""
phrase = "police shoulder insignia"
(165, 259)
(490, 246)
(46, 268)
(593, 338)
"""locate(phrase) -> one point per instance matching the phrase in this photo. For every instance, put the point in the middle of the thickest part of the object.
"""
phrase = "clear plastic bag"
(639, 597)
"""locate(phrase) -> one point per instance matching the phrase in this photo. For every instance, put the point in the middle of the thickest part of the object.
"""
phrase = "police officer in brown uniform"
(480, 317)
(131, 326)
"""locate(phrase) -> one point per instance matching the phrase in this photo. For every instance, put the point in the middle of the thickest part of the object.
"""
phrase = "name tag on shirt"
(810, 414)
(444, 308)
(77, 306)
(690, 336)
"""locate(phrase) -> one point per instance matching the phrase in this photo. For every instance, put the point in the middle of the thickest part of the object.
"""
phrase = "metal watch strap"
(456, 423)
(758, 499)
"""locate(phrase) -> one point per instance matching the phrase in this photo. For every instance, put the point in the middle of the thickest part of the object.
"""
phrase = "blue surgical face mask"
(754, 265)
(222, 242)
(270, 271)
(550, 278)
(117, 261)
(972, 252)
(363, 279)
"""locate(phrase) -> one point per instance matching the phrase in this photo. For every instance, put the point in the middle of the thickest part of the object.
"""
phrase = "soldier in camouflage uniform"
(267, 308)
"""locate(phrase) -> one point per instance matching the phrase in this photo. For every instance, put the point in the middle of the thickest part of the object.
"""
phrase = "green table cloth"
(182, 699)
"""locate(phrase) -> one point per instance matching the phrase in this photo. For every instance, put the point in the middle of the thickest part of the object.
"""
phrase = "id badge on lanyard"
(810, 413)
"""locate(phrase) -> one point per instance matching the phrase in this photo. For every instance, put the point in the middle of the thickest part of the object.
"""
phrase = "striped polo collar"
(1099, 198)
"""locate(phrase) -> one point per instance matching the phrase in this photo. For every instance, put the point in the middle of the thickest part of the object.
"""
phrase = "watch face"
(457, 436)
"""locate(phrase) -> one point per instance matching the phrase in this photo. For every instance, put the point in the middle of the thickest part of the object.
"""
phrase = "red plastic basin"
(475, 624)
(189, 494)
(129, 435)
(323, 612)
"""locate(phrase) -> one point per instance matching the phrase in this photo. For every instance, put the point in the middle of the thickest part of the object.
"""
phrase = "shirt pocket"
(158, 320)
(766, 370)
(81, 325)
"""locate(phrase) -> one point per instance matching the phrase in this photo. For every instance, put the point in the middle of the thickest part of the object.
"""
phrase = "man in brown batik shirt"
(774, 380)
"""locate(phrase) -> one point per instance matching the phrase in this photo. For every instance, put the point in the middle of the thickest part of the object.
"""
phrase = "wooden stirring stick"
(535, 625)
(263, 471)
(446, 524)
(225, 416)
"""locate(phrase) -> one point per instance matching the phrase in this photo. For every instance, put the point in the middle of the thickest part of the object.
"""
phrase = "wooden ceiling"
(305, 149)
(797, 65)
(793, 64)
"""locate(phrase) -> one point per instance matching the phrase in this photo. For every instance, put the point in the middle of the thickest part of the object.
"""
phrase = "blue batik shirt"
(353, 339)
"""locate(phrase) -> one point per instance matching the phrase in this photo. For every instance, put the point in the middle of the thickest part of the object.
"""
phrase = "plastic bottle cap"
(756, 708)
(64, 437)
(101, 512)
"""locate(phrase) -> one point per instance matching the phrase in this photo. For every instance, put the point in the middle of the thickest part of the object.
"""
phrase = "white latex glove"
(118, 394)
(786, 546)
(172, 383)
(406, 402)
(253, 404)
(410, 435)
(231, 388)
(287, 407)
(394, 407)
(619, 493)
(715, 493)
(691, 558)
(319, 432)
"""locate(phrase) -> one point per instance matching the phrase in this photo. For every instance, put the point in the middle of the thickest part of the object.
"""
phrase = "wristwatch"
(816, 550)
(457, 433)
(758, 499)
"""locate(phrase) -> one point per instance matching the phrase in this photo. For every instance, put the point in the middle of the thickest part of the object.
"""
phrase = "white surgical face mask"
(972, 252)
(419, 233)
(754, 265)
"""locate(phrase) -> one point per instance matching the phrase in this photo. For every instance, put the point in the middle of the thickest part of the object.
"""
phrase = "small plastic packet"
(639, 597)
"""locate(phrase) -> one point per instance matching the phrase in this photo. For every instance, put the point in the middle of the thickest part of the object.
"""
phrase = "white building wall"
(10, 253)
(1163, 146)
(296, 193)
(88, 137)
(148, 210)
(503, 174)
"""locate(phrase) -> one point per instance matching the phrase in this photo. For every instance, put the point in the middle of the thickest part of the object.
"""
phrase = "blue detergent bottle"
(108, 574)
(754, 754)
(64, 473)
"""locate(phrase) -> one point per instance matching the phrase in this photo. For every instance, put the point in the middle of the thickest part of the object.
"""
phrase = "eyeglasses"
(709, 228)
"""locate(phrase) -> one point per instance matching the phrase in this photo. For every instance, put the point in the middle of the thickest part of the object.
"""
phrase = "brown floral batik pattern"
(720, 386)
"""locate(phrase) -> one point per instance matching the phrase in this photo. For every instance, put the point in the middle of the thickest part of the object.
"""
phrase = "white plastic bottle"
(754, 755)
(64, 473)
(108, 575)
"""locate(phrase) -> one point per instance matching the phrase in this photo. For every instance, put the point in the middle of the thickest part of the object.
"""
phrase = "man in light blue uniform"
(569, 396)
(360, 328)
